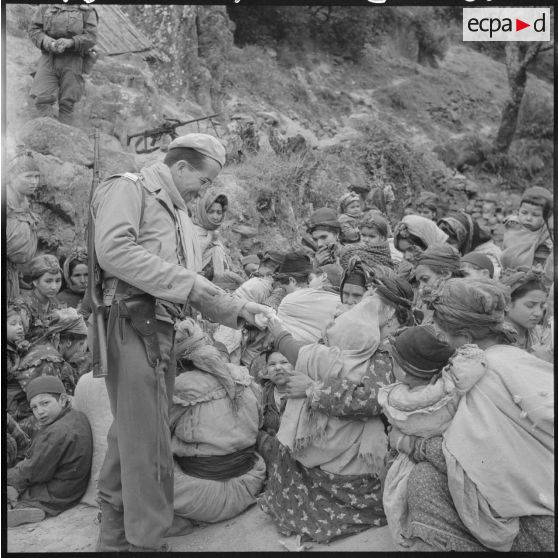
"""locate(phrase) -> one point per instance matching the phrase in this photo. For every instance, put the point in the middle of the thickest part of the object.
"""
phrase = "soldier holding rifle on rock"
(147, 248)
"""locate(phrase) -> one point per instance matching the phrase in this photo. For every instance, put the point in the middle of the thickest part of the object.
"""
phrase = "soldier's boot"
(66, 113)
(111, 535)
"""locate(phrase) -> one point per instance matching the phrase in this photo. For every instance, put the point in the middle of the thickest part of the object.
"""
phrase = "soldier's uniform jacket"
(56, 21)
(145, 240)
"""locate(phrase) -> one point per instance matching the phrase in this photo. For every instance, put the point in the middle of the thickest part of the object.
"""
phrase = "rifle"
(94, 283)
(168, 127)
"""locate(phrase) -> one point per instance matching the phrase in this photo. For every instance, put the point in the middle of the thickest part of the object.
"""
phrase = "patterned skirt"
(319, 505)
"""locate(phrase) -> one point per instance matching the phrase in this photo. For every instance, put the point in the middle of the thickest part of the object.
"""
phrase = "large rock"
(62, 201)
(50, 137)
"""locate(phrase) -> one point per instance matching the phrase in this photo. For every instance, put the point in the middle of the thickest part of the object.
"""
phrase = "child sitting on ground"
(53, 477)
(423, 401)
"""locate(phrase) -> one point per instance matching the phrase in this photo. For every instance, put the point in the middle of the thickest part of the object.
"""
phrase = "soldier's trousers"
(137, 474)
(58, 78)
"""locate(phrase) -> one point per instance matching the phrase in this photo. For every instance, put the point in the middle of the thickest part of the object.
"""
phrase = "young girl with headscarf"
(46, 277)
(527, 306)
(75, 274)
(208, 216)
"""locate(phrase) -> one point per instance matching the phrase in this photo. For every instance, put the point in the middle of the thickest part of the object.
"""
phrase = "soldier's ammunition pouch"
(139, 309)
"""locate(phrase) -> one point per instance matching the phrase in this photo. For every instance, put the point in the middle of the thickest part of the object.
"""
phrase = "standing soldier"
(65, 34)
(148, 249)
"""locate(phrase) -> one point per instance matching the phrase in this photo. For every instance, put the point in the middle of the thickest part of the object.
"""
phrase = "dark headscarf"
(464, 228)
(419, 352)
(475, 306)
(295, 264)
(204, 203)
(440, 258)
(396, 292)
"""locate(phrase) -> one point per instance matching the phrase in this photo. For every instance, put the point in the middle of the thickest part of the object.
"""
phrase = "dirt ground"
(76, 531)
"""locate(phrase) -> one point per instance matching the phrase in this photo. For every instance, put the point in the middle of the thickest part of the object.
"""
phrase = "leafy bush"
(536, 116)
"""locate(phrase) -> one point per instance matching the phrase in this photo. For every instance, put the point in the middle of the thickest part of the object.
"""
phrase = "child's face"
(426, 212)
(531, 216)
(48, 284)
(14, 329)
(46, 408)
(279, 369)
(371, 234)
(353, 208)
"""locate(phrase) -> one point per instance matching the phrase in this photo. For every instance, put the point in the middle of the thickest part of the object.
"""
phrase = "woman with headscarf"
(434, 266)
(467, 236)
(413, 235)
(350, 209)
(325, 472)
(214, 424)
(46, 277)
(488, 482)
(208, 216)
(527, 305)
(75, 275)
(21, 223)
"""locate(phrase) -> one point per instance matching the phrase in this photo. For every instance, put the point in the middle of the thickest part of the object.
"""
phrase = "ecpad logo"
(506, 24)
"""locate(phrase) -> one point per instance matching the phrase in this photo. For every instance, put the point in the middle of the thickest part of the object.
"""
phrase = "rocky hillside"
(300, 126)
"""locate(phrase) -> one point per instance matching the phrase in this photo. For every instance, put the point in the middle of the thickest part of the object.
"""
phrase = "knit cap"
(419, 352)
(44, 384)
(324, 217)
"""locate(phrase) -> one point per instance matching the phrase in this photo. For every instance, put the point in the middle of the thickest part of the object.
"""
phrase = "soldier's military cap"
(202, 143)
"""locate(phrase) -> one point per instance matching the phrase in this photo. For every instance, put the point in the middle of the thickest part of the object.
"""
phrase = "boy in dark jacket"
(54, 475)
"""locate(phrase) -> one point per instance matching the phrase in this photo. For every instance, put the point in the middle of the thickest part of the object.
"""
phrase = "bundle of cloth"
(337, 445)
(423, 404)
(214, 424)
(305, 312)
